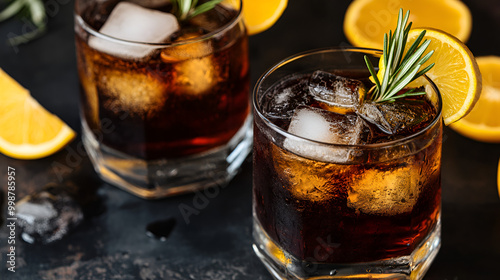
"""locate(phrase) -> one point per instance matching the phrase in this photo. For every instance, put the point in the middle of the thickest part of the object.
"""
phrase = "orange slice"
(455, 73)
(260, 15)
(366, 21)
(483, 122)
(27, 130)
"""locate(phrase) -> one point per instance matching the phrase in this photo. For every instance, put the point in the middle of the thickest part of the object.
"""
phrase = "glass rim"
(79, 20)
(294, 137)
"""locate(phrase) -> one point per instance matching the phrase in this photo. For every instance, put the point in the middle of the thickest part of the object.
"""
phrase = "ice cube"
(199, 75)
(281, 103)
(196, 70)
(309, 179)
(370, 112)
(404, 116)
(335, 93)
(189, 50)
(132, 22)
(137, 93)
(327, 127)
(398, 118)
(386, 192)
(48, 215)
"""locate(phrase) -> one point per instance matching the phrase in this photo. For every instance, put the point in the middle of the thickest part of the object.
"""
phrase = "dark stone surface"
(112, 243)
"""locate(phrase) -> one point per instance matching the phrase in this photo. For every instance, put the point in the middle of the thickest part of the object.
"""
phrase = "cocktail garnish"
(398, 68)
(34, 10)
(186, 9)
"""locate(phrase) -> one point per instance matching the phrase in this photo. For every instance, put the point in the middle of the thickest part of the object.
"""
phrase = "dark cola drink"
(342, 185)
(151, 111)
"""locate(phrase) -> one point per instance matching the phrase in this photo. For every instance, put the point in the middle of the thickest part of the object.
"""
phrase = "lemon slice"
(260, 15)
(483, 122)
(27, 130)
(455, 73)
(366, 21)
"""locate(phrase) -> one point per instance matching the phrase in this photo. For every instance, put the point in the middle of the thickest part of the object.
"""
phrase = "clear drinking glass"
(164, 118)
(327, 211)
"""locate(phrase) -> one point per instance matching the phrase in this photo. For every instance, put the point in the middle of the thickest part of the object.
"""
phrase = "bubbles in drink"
(132, 22)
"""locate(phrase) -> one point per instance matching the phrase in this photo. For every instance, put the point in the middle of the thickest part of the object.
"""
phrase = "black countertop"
(215, 242)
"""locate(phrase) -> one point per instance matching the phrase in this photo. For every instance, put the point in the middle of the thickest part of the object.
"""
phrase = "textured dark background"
(216, 243)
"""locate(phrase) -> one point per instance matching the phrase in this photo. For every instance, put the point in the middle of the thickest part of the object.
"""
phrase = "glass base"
(284, 266)
(166, 177)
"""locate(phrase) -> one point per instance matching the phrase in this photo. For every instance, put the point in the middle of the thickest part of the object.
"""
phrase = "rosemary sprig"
(400, 69)
(35, 12)
(186, 9)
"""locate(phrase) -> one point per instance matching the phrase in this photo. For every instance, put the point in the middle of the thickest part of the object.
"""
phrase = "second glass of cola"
(165, 104)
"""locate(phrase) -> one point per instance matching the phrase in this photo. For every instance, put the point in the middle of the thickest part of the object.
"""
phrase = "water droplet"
(333, 272)
(161, 229)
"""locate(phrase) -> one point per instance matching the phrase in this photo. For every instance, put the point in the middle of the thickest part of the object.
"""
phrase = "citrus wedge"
(260, 15)
(366, 21)
(455, 73)
(483, 122)
(27, 130)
